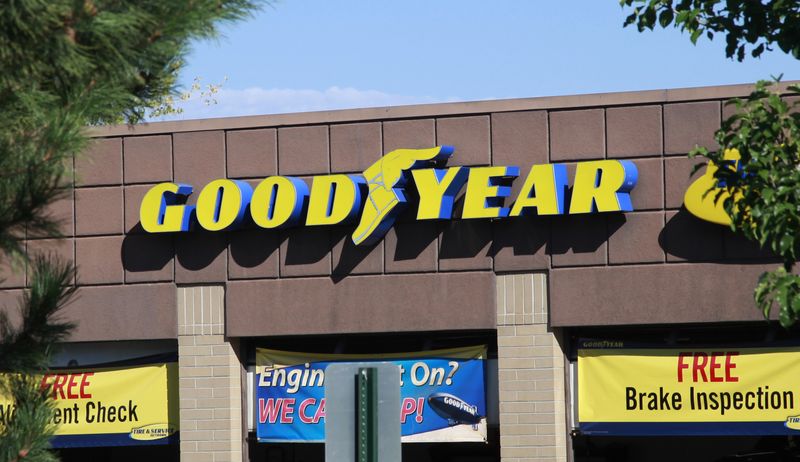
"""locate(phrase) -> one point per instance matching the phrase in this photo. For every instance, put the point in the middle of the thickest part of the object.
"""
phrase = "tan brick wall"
(531, 373)
(210, 379)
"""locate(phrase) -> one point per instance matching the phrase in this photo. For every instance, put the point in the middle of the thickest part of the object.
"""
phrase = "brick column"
(210, 379)
(531, 373)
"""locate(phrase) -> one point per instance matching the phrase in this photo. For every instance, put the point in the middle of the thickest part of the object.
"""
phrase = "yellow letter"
(278, 202)
(437, 190)
(485, 193)
(222, 204)
(603, 186)
(160, 211)
(334, 199)
(543, 190)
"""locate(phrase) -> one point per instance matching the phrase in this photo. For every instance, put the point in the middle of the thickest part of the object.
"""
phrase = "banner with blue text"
(442, 394)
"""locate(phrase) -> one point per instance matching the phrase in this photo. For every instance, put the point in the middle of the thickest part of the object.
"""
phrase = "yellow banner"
(729, 386)
(111, 406)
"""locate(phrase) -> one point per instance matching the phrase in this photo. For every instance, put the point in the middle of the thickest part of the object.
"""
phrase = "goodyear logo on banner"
(688, 391)
(112, 406)
(442, 394)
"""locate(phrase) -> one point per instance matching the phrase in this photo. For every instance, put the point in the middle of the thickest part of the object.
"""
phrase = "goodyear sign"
(688, 391)
(442, 394)
(114, 406)
(373, 199)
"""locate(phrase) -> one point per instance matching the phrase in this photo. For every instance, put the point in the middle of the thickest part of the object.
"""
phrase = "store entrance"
(166, 453)
(685, 449)
(412, 452)
(372, 344)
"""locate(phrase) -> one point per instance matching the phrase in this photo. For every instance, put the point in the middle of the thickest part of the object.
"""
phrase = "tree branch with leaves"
(761, 191)
(748, 25)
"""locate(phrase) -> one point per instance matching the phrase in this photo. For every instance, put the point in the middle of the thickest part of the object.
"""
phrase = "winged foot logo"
(386, 198)
(701, 198)
(375, 198)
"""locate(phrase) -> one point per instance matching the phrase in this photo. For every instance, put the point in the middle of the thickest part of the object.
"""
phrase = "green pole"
(367, 418)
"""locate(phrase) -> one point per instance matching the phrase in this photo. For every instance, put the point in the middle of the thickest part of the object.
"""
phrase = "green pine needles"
(25, 351)
(69, 64)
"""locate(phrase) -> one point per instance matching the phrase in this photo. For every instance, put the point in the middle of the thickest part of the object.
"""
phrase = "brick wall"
(618, 256)
(531, 373)
(210, 385)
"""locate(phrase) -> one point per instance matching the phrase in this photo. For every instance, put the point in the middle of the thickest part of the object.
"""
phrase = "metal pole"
(366, 412)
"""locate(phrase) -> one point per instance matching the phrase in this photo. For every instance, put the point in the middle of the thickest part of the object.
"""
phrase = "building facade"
(529, 288)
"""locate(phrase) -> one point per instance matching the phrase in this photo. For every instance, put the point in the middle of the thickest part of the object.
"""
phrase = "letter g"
(163, 209)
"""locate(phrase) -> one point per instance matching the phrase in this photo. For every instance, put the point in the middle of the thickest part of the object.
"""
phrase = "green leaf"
(796, 305)
(785, 317)
(786, 243)
(666, 16)
(782, 296)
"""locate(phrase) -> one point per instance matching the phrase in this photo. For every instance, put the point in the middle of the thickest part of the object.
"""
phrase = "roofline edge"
(625, 98)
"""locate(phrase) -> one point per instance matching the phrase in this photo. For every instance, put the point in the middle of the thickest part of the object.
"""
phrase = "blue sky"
(305, 55)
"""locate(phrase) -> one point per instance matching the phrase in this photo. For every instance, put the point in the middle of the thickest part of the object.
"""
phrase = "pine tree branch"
(68, 64)
(27, 349)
